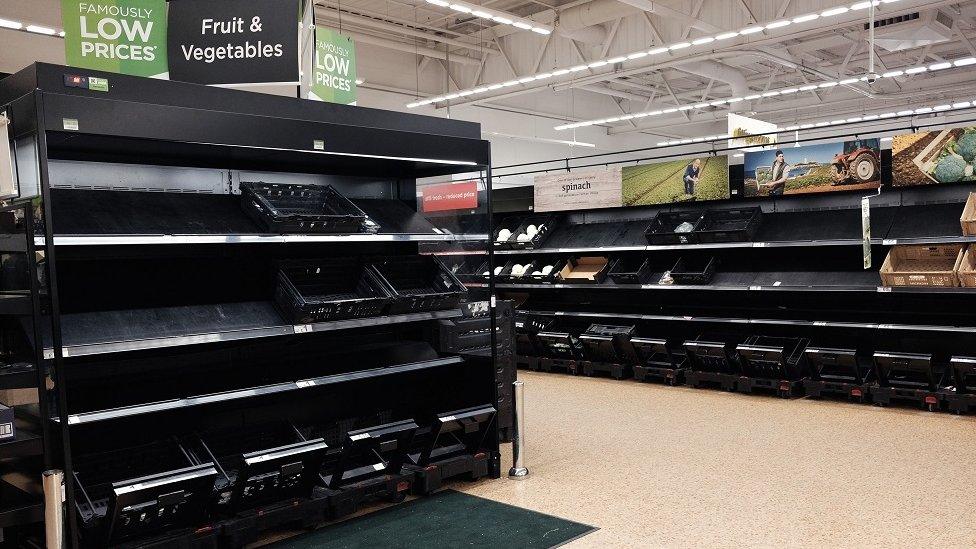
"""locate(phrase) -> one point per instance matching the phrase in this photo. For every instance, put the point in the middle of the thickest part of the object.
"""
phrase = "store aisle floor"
(657, 466)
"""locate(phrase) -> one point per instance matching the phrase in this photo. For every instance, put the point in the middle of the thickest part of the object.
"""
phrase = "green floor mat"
(447, 519)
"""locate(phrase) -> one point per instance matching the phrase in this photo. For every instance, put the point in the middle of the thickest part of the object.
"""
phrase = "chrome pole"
(53, 480)
(518, 469)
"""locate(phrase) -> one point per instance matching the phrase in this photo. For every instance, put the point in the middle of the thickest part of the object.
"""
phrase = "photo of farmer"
(825, 167)
(691, 176)
(703, 178)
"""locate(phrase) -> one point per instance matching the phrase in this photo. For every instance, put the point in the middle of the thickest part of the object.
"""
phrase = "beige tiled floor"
(656, 466)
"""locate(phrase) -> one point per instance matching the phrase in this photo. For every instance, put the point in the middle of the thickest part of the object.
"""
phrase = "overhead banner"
(702, 178)
(932, 158)
(578, 190)
(449, 196)
(233, 41)
(334, 71)
(121, 36)
(826, 167)
(748, 132)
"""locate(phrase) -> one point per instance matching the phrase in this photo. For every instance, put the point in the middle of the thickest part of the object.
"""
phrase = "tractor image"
(857, 164)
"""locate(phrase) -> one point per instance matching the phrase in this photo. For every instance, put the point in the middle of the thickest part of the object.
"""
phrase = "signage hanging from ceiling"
(582, 190)
(233, 41)
(449, 196)
(121, 36)
(334, 70)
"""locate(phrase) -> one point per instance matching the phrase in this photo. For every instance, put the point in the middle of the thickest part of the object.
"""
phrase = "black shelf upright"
(150, 315)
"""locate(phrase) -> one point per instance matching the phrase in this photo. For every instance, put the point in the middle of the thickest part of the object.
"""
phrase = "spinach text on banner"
(334, 71)
(121, 36)
(580, 190)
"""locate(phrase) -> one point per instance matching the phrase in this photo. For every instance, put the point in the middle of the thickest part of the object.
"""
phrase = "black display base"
(430, 478)
(248, 526)
(698, 379)
(924, 398)
(186, 538)
(960, 403)
(559, 365)
(671, 376)
(818, 388)
(784, 388)
(349, 499)
(616, 371)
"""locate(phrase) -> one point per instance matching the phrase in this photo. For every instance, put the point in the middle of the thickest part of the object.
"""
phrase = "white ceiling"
(411, 49)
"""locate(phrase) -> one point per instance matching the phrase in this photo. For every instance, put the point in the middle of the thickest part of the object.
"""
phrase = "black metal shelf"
(17, 379)
(760, 321)
(106, 332)
(25, 443)
(926, 224)
(120, 218)
(18, 508)
(792, 281)
(241, 394)
(19, 303)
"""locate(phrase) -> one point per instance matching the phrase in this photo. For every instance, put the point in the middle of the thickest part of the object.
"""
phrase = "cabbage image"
(966, 146)
(950, 169)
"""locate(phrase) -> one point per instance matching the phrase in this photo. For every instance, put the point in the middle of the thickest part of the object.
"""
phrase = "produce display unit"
(795, 270)
(211, 374)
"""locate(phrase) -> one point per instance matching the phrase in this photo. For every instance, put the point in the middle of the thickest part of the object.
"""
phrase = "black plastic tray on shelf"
(470, 269)
(602, 343)
(694, 270)
(735, 225)
(714, 353)
(300, 208)
(418, 283)
(550, 278)
(507, 275)
(544, 224)
(560, 345)
(629, 270)
(329, 289)
(134, 492)
(662, 230)
(767, 357)
(907, 370)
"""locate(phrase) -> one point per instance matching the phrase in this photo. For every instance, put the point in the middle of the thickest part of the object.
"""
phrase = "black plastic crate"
(527, 329)
(736, 225)
(713, 353)
(544, 224)
(419, 283)
(329, 289)
(298, 208)
(694, 270)
(560, 345)
(964, 374)
(661, 231)
(773, 357)
(838, 365)
(630, 270)
(907, 370)
(602, 343)
(507, 276)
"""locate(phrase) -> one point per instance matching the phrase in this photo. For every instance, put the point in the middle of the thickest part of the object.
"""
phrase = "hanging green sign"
(334, 71)
(123, 36)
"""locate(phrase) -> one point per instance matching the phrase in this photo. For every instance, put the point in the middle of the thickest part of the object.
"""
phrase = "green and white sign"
(122, 36)
(334, 70)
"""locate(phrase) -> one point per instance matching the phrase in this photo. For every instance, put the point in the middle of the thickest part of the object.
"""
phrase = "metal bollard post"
(518, 469)
(52, 481)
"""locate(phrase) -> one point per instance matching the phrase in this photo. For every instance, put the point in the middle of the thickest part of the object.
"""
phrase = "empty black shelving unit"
(151, 317)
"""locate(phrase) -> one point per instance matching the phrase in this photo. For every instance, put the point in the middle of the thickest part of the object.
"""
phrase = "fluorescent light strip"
(498, 17)
(658, 50)
(8, 24)
(358, 155)
(37, 29)
(964, 62)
